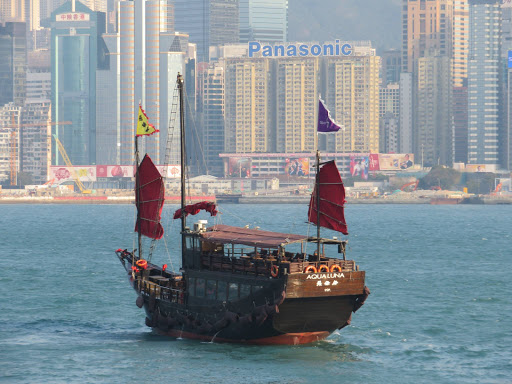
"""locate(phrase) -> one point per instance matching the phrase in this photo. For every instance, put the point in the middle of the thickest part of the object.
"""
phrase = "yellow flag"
(143, 126)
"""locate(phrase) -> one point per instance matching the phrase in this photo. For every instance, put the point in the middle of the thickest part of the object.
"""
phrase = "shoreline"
(242, 200)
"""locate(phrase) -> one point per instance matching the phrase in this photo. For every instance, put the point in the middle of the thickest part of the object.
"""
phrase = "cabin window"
(199, 288)
(256, 288)
(190, 242)
(233, 291)
(222, 289)
(192, 285)
(211, 286)
(245, 290)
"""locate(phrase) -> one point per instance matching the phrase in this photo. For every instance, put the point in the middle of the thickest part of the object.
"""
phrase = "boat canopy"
(226, 234)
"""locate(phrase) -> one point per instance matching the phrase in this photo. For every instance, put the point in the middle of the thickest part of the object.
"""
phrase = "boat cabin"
(252, 251)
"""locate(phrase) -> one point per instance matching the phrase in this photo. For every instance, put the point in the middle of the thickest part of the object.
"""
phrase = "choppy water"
(439, 310)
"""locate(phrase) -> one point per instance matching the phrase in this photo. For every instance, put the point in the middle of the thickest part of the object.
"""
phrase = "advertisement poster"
(239, 167)
(395, 161)
(374, 162)
(359, 166)
(115, 171)
(476, 168)
(62, 174)
(297, 167)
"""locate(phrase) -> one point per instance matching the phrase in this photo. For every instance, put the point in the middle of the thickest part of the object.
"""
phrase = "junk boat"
(240, 284)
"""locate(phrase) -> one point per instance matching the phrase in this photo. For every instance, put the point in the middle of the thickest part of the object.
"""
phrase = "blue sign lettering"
(303, 50)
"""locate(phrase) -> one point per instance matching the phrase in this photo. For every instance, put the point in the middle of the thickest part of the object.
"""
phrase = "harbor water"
(439, 309)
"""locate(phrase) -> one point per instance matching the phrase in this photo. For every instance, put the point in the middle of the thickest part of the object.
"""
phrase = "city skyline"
(434, 97)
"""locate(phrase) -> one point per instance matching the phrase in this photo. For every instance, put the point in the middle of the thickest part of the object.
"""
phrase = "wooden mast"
(182, 160)
(137, 191)
(318, 203)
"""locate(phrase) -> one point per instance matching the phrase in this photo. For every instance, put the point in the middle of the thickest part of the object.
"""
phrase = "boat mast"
(182, 160)
(318, 203)
(137, 191)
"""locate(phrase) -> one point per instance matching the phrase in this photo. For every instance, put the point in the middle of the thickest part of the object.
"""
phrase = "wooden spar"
(182, 160)
(318, 203)
(137, 187)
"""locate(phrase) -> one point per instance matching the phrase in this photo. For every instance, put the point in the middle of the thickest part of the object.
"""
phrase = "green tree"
(439, 176)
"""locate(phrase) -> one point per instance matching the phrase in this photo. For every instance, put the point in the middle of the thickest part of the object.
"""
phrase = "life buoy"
(310, 269)
(142, 263)
(274, 271)
(335, 268)
(323, 268)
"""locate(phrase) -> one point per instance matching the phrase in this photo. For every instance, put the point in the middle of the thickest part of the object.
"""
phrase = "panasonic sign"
(299, 50)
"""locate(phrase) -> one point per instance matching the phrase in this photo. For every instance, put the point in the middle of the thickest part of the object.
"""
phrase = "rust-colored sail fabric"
(149, 198)
(194, 209)
(332, 199)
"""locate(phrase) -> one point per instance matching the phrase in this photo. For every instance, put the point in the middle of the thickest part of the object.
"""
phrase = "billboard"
(62, 174)
(297, 167)
(359, 166)
(477, 168)
(239, 167)
(395, 161)
(172, 172)
(115, 171)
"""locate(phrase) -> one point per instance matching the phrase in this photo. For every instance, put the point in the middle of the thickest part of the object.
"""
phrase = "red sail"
(332, 199)
(149, 198)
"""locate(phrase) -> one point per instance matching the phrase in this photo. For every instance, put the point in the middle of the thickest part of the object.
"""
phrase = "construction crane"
(415, 183)
(70, 166)
(13, 153)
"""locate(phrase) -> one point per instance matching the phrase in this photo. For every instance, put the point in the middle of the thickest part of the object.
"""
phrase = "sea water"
(439, 311)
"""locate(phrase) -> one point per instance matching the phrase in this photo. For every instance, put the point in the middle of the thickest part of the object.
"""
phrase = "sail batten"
(332, 199)
(149, 199)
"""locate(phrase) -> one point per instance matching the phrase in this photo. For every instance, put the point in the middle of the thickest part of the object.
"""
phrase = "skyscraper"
(264, 21)
(141, 24)
(296, 93)
(13, 62)
(208, 23)
(427, 46)
(484, 82)
(76, 31)
(248, 120)
(389, 117)
(352, 94)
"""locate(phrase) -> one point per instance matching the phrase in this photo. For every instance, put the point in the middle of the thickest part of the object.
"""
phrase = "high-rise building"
(12, 10)
(213, 102)
(264, 21)
(13, 63)
(248, 122)
(108, 125)
(506, 46)
(141, 24)
(391, 66)
(10, 119)
(352, 94)
(208, 23)
(484, 82)
(428, 44)
(433, 131)
(296, 100)
(406, 113)
(426, 26)
(35, 140)
(389, 117)
(75, 57)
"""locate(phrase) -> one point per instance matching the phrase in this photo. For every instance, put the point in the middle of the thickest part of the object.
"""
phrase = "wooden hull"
(304, 312)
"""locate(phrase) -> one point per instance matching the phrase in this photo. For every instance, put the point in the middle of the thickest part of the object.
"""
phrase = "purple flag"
(325, 122)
